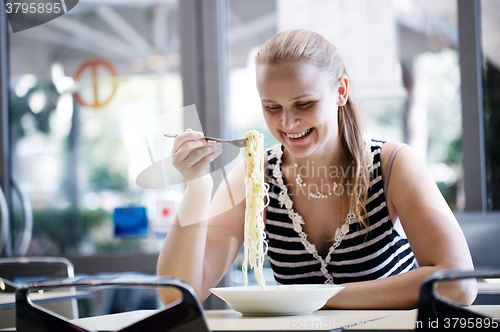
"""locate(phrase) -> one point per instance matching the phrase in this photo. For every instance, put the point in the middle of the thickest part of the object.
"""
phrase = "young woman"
(333, 215)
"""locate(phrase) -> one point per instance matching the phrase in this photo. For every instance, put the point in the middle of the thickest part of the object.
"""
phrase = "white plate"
(294, 300)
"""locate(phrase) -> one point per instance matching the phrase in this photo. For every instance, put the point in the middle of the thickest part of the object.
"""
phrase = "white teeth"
(302, 134)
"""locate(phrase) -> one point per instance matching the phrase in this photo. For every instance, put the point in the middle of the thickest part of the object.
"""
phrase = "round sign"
(95, 67)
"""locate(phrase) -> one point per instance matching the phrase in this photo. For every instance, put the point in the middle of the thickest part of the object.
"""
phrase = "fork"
(239, 143)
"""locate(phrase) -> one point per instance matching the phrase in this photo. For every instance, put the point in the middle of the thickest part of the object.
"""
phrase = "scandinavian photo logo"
(26, 14)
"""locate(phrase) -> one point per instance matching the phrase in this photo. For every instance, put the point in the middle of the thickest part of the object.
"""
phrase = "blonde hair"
(297, 45)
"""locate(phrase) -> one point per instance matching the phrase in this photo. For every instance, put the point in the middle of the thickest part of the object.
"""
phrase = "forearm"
(182, 254)
(397, 292)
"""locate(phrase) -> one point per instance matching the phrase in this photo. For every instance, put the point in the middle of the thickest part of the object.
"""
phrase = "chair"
(184, 315)
(436, 312)
(20, 270)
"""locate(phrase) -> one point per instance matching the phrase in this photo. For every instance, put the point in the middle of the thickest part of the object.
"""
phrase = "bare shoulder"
(386, 152)
(407, 163)
(407, 166)
(411, 187)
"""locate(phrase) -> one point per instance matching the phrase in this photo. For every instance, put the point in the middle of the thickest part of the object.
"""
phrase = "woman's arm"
(432, 231)
(202, 252)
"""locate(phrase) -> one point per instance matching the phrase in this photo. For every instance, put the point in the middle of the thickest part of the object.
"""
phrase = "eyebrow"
(296, 98)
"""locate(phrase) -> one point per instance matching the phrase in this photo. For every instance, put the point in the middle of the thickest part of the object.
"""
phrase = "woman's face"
(300, 106)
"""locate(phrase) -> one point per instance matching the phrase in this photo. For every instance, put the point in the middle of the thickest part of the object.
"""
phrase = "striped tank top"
(357, 254)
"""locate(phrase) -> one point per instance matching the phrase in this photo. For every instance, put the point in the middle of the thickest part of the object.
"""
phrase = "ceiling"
(146, 40)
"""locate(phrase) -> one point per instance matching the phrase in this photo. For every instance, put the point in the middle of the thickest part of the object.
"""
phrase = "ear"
(343, 90)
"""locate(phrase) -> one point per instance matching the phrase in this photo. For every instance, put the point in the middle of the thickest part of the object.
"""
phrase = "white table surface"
(230, 320)
(322, 320)
(408, 320)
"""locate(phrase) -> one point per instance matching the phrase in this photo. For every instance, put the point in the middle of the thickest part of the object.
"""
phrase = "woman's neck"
(330, 157)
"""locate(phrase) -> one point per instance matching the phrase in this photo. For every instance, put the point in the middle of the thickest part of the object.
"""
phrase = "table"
(322, 320)
(230, 320)
(407, 320)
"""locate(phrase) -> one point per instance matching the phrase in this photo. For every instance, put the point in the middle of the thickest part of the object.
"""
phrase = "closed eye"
(304, 104)
(273, 108)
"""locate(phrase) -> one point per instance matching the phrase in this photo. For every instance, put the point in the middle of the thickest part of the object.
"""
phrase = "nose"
(289, 119)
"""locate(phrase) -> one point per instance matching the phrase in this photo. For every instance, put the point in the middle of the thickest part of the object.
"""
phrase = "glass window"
(82, 88)
(490, 40)
(250, 26)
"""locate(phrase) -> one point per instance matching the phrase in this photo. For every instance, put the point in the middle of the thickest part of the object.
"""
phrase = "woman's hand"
(191, 155)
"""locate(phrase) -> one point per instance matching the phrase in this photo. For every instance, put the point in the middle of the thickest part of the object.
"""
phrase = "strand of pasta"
(254, 246)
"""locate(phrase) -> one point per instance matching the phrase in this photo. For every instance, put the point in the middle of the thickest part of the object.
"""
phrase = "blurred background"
(81, 95)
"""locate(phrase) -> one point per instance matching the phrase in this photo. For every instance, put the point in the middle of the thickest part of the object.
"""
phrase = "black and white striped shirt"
(358, 253)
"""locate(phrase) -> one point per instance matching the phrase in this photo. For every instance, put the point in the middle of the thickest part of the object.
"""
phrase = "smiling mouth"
(299, 135)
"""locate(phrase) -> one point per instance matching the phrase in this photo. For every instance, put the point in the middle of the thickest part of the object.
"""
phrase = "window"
(82, 88)
(490, 41)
